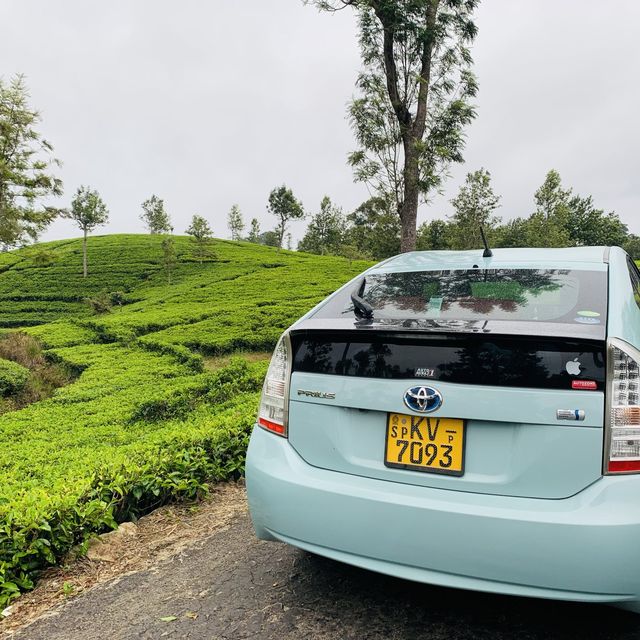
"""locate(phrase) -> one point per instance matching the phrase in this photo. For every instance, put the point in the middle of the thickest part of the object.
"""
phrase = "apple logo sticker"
(573, 367)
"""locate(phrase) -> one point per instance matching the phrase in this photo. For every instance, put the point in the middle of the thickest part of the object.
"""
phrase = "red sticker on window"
(584, 385)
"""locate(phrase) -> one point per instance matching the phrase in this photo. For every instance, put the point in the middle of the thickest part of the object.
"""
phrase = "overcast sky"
(213, 102)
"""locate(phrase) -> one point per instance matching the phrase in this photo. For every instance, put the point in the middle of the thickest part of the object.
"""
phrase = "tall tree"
(415, 91)
(254, 231)
(88, 211)
(154, 216)
(284, 206)
(552, 200)
(235, 222)
(26, 162)
(202, 234)
(474, 206)
(325, 231)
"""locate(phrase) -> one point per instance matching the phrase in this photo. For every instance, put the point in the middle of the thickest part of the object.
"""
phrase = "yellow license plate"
(435, 445)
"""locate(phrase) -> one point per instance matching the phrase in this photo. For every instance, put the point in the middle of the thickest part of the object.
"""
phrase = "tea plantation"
(144, 421)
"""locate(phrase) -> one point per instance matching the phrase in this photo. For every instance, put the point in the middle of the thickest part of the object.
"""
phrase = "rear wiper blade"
(361, 308)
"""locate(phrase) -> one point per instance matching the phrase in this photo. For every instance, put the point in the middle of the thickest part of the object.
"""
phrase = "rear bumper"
(583, 548)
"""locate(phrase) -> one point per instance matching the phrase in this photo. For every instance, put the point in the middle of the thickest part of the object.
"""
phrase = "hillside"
(147, 419)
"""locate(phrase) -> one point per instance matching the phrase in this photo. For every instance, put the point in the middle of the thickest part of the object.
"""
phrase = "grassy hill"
(146, 420)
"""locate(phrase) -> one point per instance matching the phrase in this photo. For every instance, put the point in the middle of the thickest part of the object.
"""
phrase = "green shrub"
(44, 258)
(62, 333)
(100, 303)
(13, 377)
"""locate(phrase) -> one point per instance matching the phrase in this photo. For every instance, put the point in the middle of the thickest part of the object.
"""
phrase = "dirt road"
(230, 586)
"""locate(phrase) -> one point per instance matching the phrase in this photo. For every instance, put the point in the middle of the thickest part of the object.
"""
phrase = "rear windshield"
(514, 361)
(530, 295)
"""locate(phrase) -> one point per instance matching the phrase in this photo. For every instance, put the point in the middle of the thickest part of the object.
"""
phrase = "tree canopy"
(284, 206)
(27, 178)
(325, 231)
(154, 216)
(202, 234)
(254, 231)
(473, 209)
(235, 222)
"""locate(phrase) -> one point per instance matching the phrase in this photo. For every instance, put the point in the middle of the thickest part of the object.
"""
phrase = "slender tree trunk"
(85, 271)
(409, 208)
(412, 128)
(281, 231)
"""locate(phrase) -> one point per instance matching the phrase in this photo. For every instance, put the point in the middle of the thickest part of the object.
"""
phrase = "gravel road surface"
(231, 586)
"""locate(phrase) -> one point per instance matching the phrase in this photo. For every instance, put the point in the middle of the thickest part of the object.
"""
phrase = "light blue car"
(463, 421)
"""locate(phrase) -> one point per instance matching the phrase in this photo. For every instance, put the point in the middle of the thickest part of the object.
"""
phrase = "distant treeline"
(560, 218)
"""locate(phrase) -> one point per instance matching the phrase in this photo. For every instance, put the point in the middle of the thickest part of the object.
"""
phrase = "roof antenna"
(487, 253)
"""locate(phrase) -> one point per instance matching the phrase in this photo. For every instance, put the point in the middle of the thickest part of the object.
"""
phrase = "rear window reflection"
(545, 295)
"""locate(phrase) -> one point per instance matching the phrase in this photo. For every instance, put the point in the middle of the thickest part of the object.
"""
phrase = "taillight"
(622, 450)
(273, 412)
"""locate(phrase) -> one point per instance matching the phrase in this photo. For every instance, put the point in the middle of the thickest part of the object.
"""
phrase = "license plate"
(435, 445)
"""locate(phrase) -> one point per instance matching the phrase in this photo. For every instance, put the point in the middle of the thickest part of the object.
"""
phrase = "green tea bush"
(13, 377)
(62, 333)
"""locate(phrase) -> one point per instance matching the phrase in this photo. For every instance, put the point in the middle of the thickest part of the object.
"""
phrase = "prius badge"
(423, 399)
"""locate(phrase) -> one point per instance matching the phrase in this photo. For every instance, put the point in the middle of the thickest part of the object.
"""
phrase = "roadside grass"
(165, 385)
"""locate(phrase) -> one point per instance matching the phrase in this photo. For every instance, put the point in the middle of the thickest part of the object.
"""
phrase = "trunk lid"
(507, 389)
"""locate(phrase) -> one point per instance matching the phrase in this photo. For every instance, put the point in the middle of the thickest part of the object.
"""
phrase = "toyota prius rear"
(464, 421)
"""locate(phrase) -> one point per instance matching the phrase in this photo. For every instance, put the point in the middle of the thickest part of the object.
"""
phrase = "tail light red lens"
(622, 446)
(274, 404)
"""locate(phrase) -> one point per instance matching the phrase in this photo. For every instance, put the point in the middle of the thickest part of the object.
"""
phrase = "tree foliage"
(434, 236)
(284, 206)
(235, 222)
(325, 231)
(154, 215)
(373, 230)
(562, 218)
(269, 239)
(202, 235)
(88, 211)
(473, 209)
(254, 231)
(414, 98)
(26, 168)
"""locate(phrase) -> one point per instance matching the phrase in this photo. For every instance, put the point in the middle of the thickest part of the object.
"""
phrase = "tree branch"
(399, 107)
(419, 123)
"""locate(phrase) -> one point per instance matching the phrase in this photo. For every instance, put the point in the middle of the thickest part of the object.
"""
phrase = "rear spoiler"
(491, 327)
